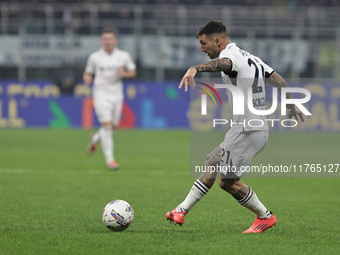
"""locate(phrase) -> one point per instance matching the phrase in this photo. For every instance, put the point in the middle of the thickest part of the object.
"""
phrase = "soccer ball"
(118, 215)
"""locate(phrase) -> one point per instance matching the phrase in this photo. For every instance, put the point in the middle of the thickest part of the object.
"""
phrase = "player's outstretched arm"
(216, 65)
(276, 80)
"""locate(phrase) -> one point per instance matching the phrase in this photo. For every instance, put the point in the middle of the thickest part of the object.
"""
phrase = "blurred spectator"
(67, 17)
(27, 24)
(286, 3)
(67, 79)
(76, 22)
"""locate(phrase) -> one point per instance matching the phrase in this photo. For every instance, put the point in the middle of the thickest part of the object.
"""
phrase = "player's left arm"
(128, 69)
(276, 80)
(217, 65)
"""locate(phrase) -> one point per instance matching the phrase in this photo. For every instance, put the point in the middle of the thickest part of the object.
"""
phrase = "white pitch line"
(91, 172)
(172, 173)
(11, 171)
(47, 171)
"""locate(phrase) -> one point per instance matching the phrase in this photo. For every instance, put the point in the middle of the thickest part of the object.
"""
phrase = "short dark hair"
(212, 27)
(108, 30)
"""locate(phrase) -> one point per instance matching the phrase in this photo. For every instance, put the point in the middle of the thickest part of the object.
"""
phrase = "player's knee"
(212, 161)
(207, 159)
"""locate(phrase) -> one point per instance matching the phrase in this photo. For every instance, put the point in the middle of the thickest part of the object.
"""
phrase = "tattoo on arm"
(216, 65)
(276, 80)
(241, 193)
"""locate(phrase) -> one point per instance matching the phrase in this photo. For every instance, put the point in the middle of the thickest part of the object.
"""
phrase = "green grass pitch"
(53, 194)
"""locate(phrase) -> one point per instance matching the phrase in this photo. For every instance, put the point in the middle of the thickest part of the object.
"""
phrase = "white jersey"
(105, 68)
(247, 71)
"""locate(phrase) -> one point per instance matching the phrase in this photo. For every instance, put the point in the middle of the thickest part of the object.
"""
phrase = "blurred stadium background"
(46, 43)
(53, 194)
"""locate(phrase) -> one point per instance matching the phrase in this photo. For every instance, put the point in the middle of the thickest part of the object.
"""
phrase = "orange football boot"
(174, 216)
(261, 225)
(112, 165)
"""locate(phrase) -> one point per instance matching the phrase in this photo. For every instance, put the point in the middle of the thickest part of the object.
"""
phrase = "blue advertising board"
(149, 105)
(39, 104)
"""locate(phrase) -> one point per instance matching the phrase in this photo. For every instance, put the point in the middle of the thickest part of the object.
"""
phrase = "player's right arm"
(89, 70)
(276, 80)
(217, 65)
(88, 78)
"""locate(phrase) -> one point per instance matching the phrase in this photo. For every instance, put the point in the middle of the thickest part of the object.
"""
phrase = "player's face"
(108, 41)
(209, 46)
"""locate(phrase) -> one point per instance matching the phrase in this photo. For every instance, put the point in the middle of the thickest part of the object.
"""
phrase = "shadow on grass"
(143, 231)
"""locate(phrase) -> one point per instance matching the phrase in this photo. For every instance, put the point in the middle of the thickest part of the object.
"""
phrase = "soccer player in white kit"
(109, 66)
(242, 142)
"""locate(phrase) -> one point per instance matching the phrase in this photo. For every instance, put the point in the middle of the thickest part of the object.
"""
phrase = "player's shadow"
(146, 231)
(161, 231)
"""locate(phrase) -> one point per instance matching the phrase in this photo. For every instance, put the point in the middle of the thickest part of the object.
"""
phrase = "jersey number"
(227, 154)
(256, 88)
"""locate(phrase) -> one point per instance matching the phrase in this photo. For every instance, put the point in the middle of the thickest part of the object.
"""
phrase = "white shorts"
(107, 108)
(238, 150)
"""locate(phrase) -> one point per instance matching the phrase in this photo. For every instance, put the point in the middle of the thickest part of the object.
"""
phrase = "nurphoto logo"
(238, 104)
